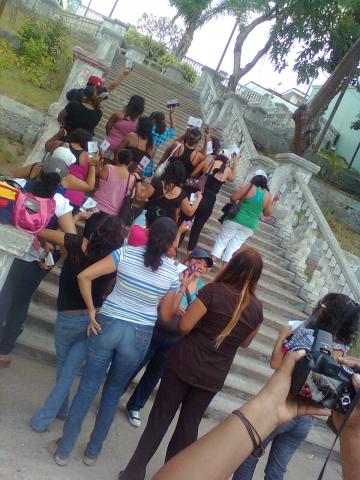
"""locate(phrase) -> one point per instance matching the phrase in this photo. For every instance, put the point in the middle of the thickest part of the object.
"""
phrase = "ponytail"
(241, 304)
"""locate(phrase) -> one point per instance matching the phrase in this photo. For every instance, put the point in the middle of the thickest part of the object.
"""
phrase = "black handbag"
(126, 213)
(231, 209)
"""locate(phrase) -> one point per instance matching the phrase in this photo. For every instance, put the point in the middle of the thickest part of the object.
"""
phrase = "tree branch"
(253, 62)
(328, 90)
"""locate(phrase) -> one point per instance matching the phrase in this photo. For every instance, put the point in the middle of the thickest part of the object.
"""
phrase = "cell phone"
(144, 162)
(209, 147)
(104, 145)
(49, 260)
(194, 122)
(191, 270)
(234, 149)
(193, 198)
(93, 147)
(282, 189)
(88, 205)
(129, 63)
(173, 103)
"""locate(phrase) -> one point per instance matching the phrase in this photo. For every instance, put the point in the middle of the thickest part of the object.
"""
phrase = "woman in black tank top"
(141, 142)
(218, 173)
(188, 154)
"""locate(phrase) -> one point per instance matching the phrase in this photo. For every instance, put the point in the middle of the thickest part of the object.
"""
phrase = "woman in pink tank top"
(82, 174)
(124, 121)
(113, 182)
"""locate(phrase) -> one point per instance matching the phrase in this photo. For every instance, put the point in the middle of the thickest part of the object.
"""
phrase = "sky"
(209, 42)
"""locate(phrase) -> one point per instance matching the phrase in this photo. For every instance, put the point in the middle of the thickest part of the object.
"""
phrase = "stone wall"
(20, 121)
(267, 139)
(345, 208)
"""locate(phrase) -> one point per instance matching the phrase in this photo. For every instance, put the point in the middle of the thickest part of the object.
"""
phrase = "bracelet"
(138, 180)
(257, 443)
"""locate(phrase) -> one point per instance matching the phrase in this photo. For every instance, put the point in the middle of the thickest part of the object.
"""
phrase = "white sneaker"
(134, 418)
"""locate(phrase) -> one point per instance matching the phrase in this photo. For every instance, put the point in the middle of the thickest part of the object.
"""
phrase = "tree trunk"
(238, 71)
(304, 116)
(182, 48)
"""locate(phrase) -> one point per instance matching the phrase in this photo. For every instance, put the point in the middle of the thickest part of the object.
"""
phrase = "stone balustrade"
(248, 94)
(315, 254)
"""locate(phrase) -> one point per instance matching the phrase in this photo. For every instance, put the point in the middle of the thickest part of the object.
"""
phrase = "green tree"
(160, 29)
(327, 37)
(194, 14)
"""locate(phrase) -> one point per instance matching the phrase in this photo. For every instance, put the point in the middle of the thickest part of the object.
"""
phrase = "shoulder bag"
(161, 168)
(126, 213)
(231, 209)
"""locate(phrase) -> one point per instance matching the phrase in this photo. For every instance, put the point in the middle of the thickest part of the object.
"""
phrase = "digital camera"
(318, 377)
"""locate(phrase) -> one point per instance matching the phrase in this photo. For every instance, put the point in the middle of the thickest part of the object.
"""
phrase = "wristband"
(138, 180)
(257, 443)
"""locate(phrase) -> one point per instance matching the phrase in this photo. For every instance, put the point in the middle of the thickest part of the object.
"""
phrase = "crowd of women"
(125, 302)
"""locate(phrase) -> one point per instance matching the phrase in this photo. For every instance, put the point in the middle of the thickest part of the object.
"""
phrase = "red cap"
(95, 81)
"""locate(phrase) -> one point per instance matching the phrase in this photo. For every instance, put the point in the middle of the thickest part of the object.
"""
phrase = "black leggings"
(15, 297)
(201, 216)
(173, 393)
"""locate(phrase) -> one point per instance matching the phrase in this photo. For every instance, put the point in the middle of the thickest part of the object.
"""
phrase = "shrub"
(43, 49)
(8, 58)
(155, 49)
(190, 74)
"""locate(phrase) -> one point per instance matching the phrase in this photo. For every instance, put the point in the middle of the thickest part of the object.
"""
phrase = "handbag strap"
(188, 297)
(243, 196)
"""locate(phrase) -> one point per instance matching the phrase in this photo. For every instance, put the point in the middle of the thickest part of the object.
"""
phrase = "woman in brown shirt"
(225, 316)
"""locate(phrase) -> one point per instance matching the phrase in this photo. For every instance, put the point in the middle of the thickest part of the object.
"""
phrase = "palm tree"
(194, 14)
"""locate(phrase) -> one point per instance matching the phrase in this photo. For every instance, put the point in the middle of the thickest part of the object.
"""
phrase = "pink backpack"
(32, 213)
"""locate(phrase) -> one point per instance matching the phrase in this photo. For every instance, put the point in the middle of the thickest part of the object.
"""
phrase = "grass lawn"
(14, 85)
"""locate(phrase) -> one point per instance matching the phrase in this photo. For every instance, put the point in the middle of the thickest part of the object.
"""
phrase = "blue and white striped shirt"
(138, 290)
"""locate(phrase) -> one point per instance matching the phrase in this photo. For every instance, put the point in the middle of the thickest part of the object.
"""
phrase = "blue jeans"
(124, 344)
(70, 344)
(156, 364)
(286, 439)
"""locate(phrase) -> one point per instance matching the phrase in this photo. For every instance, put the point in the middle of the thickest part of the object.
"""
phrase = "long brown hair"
(241, 274)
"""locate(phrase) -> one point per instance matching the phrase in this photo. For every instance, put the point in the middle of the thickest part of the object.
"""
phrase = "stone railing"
(279, 121)
(194, 64)
(208, 93)
(315, 254)
(78, 23)
(88, 13)
(249, 95)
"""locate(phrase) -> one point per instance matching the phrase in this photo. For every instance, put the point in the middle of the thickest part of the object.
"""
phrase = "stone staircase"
(276, 289)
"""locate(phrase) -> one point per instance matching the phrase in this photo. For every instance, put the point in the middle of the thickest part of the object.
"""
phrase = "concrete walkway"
(24, 456)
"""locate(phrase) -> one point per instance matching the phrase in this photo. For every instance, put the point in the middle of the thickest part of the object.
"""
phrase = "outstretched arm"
(218, 454)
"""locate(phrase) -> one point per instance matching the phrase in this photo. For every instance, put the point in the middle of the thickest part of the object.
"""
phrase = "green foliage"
(8, 58)
(356, 125)
(189, 9)
(336, 164)
(155, 49)
(43, 50)
(160, 29)
(190, 74)
(323, 29)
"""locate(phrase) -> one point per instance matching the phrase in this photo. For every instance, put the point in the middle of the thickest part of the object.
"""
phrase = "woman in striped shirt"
(121, 332)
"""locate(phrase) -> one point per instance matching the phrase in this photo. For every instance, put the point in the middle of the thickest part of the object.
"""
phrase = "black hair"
(192, 137)
(144, 130)
(81, 136)
(124, 157)
(174, 175)
(90, 94)
(260, 181)
(46, 184)
(162, 234)
(216, 145)
(159, 119)
(340, 317)
(153, 214)
(135, 107)
(108, 236)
